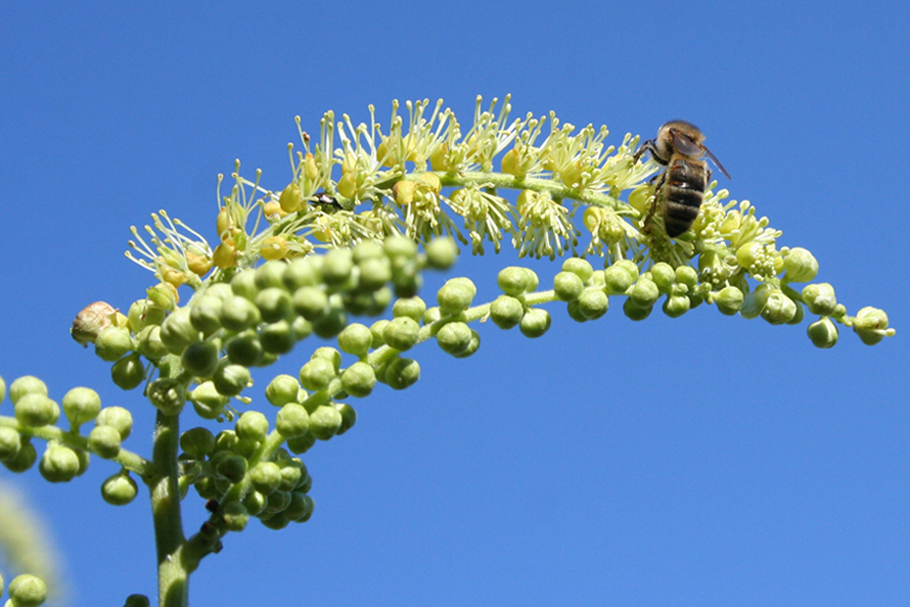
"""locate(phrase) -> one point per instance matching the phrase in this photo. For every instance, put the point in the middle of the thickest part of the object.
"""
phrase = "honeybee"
(681, 186)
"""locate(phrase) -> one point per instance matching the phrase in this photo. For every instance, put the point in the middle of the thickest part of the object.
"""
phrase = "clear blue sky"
(701, 461)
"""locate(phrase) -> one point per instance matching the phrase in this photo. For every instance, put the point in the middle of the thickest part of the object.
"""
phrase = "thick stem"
(173, 575)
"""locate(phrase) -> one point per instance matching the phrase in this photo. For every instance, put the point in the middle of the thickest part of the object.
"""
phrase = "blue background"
(700, 461)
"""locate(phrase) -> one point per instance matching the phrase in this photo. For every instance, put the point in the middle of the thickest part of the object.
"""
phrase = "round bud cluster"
(512, 309)
(67, 454)
(276, 487)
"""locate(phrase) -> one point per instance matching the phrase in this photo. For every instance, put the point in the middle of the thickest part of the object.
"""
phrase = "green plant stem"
(129, 460)
(173, 573)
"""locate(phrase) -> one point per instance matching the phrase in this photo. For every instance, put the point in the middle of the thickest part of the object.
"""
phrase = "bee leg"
(647, 146)
(658, 192)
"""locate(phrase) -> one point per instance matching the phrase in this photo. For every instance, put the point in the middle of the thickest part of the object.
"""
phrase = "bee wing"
(716, 162)
(684, 145)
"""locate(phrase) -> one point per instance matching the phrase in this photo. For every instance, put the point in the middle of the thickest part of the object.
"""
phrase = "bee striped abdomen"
(685, 190)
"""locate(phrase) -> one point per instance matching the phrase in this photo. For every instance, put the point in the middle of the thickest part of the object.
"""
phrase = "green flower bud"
(375, 272)
(348, 419)
(413, 307)
(221, 290)
(535, 322)
(574, 311)
(197, 442)
(128, 372)
(381, 298)
(406, 283)
(331, 323)
(749, 254)
(325, 421)
(206, 488)
(2, 389)
(230, 379)
(235, 516)
(355, 339)
(441, 253)
(472, 347)
(27, 591)
(302, 443)
(119, 489)
(676, 305)
(136, 600)
(337, 266)
(144, 313)
(270, 274)
(316, 374)
(401, 333)
(36, 410)
(644, 293)
(516, 280)
(618, 277)
(282, 390)
(800, 314)
(27, 384)
(506, 311)
(729, 300)
(23, 459)
(205, 313)
(358, 380)
(400, 247)
(663, 276)
(254, 502)
(244, 349)
(277, 338)
(81, 405)
(239, 313)
(118, 418)
(265, 476)
(150, 344)
(820, 298)
(455, 296)
(112, 343)
(277, 502)
(368, 249)
(177, 332)
(634, 312)
(252, 426)
(10, 443)
(568, 286)
(401, 373)
(200, 358)
(454, 337)
(687, 276)
(167, 395)
(207, 402)
(274, 303)
(593, 303)
(230, 466)
(303, 272)
(580, 267)
(105, 441)
(823, 333)
(301, 327)
(292, 421)
(779, 309)
(799, 265)
(871, 324)
(754, 302)
(59, 464)
(243, 284)
(330, 354)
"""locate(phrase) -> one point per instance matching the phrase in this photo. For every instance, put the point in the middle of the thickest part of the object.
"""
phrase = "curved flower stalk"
(425, 176)
(341, 243)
